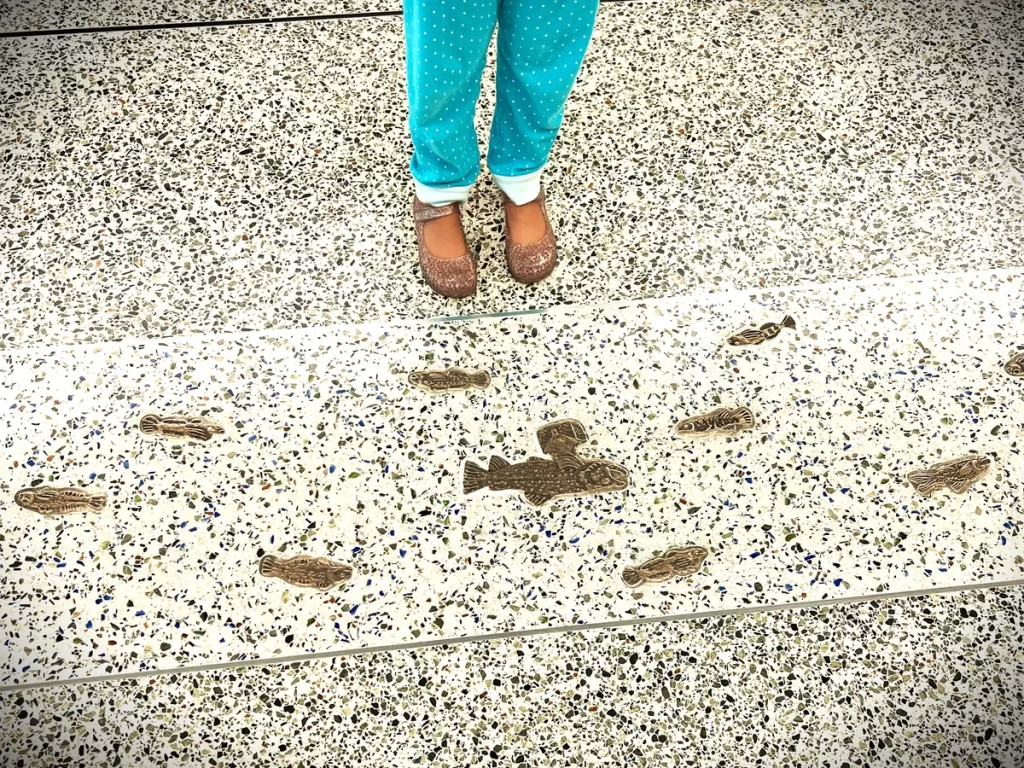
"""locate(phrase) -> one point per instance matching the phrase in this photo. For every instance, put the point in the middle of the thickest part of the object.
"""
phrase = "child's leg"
(541, 44)
(446, 47)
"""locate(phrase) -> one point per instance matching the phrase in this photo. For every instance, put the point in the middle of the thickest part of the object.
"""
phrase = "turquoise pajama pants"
(541, 44)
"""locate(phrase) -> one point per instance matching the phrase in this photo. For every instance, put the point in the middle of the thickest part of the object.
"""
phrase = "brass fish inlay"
(957, 475)
(190, 427)
(305, 571)
(59, 501)
(760, 335)
(566, 473)
(727, 421)
(564, 436)
(449, 380)
(675, 562)
(1015, 367)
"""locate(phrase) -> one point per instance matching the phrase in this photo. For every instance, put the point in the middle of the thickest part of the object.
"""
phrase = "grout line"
(525, 633)
(213, 23)
(197, 24)
(696, 300)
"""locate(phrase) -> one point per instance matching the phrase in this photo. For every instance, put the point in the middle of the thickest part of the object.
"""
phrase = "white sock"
(441, 196)
(520, 189)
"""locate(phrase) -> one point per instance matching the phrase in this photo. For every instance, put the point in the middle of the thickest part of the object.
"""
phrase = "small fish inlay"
(1015, 366)
(565, 474)
(305, 571)
(721, 421)
(59, 501)
(957, 475)
(752, 336)
(188, 427)
(676, 562)
(449, 380)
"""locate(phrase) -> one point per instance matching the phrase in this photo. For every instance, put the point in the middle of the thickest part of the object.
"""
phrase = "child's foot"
(526, 223)
(529, 242)
(446, 263)
(443, 236)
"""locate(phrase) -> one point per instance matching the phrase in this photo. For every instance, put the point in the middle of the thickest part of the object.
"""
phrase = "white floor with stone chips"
(214, 221)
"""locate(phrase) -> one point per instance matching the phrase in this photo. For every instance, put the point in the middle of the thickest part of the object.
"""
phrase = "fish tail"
(480, 379)
(97, 502)
(744, 418)
(149, 424)
(632, 577)
(788, 322)
(268, 565)
(474, 478)
(924, 481)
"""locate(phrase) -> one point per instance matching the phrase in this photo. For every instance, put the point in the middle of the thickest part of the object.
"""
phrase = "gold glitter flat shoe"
(531, 262)
(452, 278)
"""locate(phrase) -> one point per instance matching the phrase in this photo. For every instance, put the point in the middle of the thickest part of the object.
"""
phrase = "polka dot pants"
(541, 44)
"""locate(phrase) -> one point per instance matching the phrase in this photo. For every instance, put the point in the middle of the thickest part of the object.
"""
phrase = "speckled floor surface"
(329, 452)
(212, 221)
(212, 180)
(917, 682)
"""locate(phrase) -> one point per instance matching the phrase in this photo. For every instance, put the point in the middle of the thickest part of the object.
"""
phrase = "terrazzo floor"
(217, 180)
(212, 222)
(922, 681)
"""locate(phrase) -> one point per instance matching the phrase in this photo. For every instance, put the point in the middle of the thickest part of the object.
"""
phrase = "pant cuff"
(520, 189)
(440, 196)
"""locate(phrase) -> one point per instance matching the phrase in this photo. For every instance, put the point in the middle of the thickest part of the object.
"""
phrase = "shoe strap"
(429, 212)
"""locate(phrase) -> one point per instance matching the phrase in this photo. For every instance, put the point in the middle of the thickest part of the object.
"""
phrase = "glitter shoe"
(531, 262)
(453, 278)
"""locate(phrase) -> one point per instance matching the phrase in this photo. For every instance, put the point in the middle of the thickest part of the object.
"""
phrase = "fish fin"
(568, 461)
(537, 498)
(788, 322)
(474, 477)
(267, 563)
(767, 326)
(480, 379)
(924, 481)
(745, 418)
(97, 502)
(535, 458)
(496, 463)
(961, 484)
(199, 432)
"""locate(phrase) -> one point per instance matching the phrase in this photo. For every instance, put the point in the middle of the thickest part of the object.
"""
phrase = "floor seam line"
(526, 633)
(701, 299)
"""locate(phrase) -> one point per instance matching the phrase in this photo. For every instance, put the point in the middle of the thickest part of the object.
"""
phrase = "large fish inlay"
(957, 475)
(539, 480)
